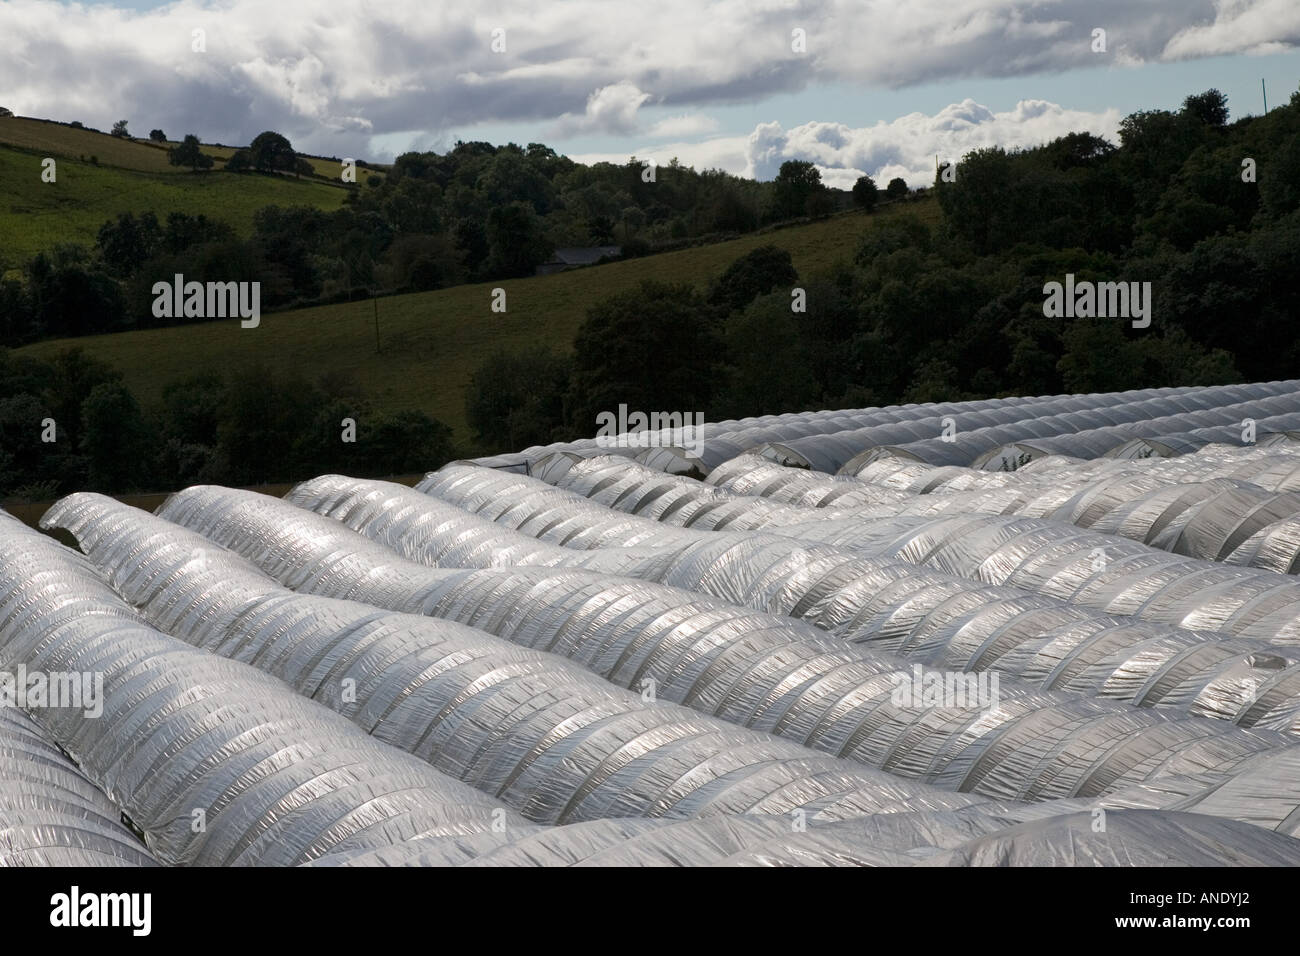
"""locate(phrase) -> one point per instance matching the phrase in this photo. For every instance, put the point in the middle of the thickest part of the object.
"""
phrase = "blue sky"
(1149, 86)
(881, 87)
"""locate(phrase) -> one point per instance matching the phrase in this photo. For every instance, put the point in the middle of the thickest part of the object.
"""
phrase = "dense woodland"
(956, 312)
(476, 213)
(922, 313)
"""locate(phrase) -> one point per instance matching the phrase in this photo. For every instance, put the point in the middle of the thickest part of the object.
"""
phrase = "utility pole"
(1265, 89)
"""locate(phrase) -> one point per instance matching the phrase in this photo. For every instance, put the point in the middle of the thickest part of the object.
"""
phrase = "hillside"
(432, 342)
(131, 176)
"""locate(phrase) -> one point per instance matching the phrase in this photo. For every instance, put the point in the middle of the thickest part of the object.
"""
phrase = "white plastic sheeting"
(938, 620)
(828, 440)
(217, 763)
(50, 812)
(1160, 757)
(542, 734)
(1051, 558)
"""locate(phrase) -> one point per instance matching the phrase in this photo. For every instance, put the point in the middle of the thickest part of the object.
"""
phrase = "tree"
(5, 111)
(421, 262)
(270, 152)
(184, 230)
(753, 386)
(189, 154)
(302, 167)
(115, 440)
(897, 188)
(633, 220)
(127, 242)
(755, 273)
(406, 442)
(865, 193)
(240, 161)
(157, 136)
(24, 458)
(516, 242)
(1210, 107)
(978, 207)
(119, 130)
(797, 182)
(517, 400)
(654, 348)
(69, 297)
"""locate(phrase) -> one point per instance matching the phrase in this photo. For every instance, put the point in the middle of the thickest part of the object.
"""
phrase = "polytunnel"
(1193, 745)
(524, 743)
(50, 812)
(1092, 432)
(1112, 657)
(589, 655)
(1274, 547)
(1166, 446)
(295, 781)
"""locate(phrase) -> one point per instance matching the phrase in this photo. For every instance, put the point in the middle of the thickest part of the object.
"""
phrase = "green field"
(328, 169)
(432, 342)
(130, 177)
(66, 142)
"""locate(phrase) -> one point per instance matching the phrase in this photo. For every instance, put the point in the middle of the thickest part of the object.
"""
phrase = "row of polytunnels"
(950, 634)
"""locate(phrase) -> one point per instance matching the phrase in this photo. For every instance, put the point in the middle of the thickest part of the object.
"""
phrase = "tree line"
(475, 213)
(1207, 210)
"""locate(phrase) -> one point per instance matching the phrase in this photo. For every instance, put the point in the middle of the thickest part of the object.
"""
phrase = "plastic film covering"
(941, 620)
(278, 779)
(1026, 719)
(781, 770)
(730, 437)
(1085, 568)
(545, 735)
(1046, 442)
(1047, 557)
(50, 812)
(839, 592)
(984, 762)
(1155, 504)
(889, 839)
(1275, 547)
(1132, 838)
(899, 434)
(1084, 432)
(753, 476)
(825, 440)
(1038, 639)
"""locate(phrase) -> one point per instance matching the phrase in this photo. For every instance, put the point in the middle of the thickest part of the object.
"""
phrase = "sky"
(859, 87)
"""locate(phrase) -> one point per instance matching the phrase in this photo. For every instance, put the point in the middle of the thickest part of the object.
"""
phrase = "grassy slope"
(131, 176)
(433, 341)
(55, 139)
(325, 168)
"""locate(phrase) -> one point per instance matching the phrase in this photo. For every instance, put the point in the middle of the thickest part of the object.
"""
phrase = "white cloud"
(610, 109)
(906, 146)
(330, 75)
(721, 152)
(1267, 26)
(688, 124)
(909, 145)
